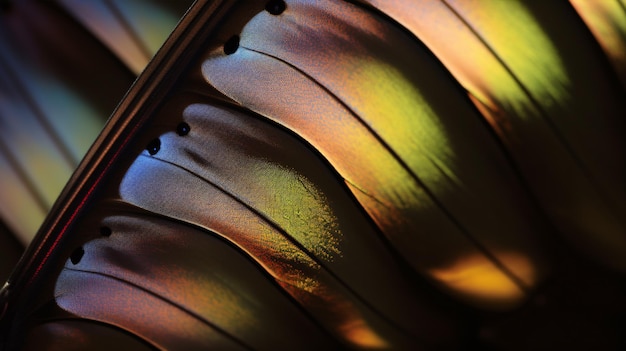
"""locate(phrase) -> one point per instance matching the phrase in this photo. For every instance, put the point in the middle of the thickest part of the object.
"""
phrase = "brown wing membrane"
(340, 175)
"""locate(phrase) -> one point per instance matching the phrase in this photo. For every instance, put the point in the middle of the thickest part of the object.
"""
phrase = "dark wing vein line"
(505, 270)
(544, 116)
(222, 238)
(291, 240)
(166, 300)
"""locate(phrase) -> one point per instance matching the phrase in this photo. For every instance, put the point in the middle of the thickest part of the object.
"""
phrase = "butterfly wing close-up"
(401, 175)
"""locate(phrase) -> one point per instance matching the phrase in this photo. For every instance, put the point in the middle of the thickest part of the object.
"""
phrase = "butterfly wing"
(316, 174)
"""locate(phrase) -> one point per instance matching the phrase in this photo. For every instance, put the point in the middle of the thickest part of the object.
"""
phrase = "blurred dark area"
(64, 66)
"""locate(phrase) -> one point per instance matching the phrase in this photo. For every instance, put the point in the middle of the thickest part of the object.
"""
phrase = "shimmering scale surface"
(321, 181)
(279, 231)
(189, 270)
(431, 179)
(538, 102)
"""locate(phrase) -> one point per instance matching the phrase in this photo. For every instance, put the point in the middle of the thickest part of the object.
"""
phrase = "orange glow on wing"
(362, 336)
(477, 277)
